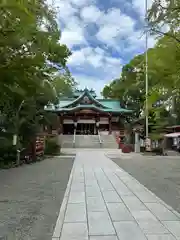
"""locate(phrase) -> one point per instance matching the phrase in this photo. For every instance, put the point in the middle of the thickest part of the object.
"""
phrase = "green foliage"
(51, 146)
(163, 85)
(163, 14)
(7, 153)
(129, 88)
(29, 38)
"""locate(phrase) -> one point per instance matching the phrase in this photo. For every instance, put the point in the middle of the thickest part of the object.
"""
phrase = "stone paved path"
(103, 202)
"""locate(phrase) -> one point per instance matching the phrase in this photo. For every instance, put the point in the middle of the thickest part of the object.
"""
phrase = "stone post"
(137, 143)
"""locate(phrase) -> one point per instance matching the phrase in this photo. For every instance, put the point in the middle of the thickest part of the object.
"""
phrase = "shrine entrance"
(86, 129)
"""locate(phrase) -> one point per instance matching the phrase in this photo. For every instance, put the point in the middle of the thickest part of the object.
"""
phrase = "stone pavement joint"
(103, 202)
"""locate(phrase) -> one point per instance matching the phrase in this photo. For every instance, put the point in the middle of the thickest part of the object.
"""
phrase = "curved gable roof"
(89, 95)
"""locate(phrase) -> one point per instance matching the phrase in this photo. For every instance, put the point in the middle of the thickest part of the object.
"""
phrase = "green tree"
(165, 14)
(29, 37)
(164, 80)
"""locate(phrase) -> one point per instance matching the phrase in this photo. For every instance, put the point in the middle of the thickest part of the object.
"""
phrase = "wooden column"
(110, 124)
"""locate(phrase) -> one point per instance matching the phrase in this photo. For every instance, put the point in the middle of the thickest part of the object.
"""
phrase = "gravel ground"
(161, 175)
(30, 199)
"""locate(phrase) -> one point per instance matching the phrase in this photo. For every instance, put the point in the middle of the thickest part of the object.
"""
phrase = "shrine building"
(84, 113)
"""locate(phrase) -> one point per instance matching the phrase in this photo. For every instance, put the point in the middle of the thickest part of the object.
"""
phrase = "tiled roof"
(103, 105)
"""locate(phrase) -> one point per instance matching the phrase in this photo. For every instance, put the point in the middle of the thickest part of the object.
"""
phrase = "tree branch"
(166, 34)
(169, 8)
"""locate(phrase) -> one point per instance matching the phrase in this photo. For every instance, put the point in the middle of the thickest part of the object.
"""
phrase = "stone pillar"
(137, 143)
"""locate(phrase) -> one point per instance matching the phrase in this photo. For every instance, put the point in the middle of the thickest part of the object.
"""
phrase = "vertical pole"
(146, 71)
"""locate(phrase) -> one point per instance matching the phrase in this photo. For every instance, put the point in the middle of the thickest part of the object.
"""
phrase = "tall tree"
(29, 38)
(165, 14)
(164, 80)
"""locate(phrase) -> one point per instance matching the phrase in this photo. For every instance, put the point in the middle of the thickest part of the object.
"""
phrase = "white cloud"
(97, 66)
(65, 10)
(103, 66)
(73, 33)
(81, 3)
(90, 13)
(95, 83)
(140, 6)
(71, 38)
(113, 26)
(138, 41)
(96, 57)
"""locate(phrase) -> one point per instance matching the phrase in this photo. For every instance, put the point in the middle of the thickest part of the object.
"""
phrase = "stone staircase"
(87, 141)
(67, 141)
(109, 141)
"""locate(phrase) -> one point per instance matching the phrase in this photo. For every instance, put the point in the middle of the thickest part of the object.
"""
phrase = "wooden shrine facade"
(86, 114)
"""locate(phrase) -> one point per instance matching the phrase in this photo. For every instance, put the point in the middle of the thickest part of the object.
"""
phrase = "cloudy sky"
(103, 35)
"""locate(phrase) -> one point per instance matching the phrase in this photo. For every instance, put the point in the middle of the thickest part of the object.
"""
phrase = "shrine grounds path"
(30, 198)
(161, 175)
(104, 202)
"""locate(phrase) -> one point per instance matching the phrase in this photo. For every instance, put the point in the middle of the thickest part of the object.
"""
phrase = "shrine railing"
(99, 136)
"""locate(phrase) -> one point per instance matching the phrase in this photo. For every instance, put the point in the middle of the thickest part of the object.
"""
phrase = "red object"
(126, 149)
(121, 145)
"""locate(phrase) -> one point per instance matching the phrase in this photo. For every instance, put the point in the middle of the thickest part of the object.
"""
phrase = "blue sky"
(103, 35)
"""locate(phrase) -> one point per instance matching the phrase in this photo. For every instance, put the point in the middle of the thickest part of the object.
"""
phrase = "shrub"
(51, 146)
(7, 155)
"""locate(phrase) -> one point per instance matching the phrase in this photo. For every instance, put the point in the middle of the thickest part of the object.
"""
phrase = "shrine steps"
(89, 141)
(109, 141)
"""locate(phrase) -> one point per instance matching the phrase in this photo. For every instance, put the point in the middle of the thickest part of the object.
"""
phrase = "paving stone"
(77, 197)
(91, 183)
(124, 191)
(129, 230)
(145, 215)
(100, 224)
(111, 196)
(135, 187)
(75, 213)
(74, 231)
(60, 219)
(160, 237)
(92, 192)
(77, 187)
(173, 227)
(103, 238)
(96, 204)
(119, 212)
(152, 227)
(146, 197)
(133, 203)
(161, 212)
(106, 187)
